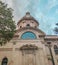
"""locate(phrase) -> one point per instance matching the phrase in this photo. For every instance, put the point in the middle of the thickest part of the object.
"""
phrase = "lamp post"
(49, 46)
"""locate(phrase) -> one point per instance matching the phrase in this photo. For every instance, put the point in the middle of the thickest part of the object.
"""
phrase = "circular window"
(28, 35)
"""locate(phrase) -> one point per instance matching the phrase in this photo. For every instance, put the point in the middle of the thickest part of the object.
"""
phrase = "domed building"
(30, 45)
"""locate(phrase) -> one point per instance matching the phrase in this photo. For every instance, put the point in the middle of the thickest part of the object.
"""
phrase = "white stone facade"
(27, 50)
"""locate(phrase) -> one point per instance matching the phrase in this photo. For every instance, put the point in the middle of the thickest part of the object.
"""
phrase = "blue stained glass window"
(28, 35)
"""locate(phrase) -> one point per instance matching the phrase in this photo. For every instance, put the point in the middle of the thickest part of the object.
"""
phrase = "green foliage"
(7, 25)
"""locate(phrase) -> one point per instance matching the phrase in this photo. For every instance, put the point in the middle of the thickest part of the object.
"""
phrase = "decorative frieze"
(6, 49)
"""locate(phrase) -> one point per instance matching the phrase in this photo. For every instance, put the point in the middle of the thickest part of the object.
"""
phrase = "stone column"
(52, 53)
(45, 55)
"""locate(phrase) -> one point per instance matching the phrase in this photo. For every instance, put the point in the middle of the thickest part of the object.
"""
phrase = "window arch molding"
(4, 61)
(28, 35)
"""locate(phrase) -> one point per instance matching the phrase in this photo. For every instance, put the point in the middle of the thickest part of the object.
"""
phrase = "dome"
(28, 17)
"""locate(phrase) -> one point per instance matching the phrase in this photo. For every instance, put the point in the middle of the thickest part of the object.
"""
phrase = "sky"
(44, 11)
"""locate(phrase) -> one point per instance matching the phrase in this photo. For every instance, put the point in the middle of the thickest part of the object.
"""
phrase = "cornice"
(30, 28)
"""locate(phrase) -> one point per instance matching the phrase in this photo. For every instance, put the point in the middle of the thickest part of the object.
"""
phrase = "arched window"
(28, 35)
(56, 49)
(4, 61)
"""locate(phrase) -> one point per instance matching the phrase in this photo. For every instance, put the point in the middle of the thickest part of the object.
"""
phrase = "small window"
(23, 22)
(32, 22)
(49, 43)
(20, 26)
(56, 49)
(28, 25)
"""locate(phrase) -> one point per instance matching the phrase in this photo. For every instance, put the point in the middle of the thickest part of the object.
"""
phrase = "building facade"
(30, 45)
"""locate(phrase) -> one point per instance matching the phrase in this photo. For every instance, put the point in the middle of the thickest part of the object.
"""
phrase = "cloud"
(56, 11)
(51, 4)
(45, 11)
